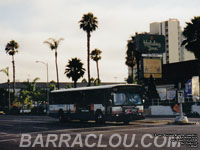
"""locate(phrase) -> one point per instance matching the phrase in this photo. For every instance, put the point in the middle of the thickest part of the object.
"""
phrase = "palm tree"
(11, 49)
(74, 69)
(192, 36)
(95, 55)
(131, 56)
(89, 24)
(6, 72)
(53, 44)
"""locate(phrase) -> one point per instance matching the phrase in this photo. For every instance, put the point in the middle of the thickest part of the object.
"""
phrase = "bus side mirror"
(110, 102)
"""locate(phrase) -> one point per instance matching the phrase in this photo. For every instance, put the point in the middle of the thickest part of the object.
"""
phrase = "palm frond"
(11, 47)
(36, 79)
(88, 22)
(6, 71)
(53, 43)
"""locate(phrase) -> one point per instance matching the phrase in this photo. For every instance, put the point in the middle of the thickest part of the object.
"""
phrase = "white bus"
(122, 103)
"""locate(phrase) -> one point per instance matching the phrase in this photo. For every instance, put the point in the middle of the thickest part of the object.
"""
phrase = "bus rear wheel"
(61, 117)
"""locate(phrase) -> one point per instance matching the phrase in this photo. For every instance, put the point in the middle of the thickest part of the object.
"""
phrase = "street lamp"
(46, 64)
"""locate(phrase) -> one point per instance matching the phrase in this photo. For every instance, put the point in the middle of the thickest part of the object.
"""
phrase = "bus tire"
(61, 116)
(99, 118)
(126, 122)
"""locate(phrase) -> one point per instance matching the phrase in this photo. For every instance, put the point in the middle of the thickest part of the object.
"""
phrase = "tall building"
(171, 29)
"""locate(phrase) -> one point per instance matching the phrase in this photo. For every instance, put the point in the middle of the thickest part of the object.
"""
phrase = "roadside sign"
(188, 89)
(152, 66)
(181, 98)
(150, 43)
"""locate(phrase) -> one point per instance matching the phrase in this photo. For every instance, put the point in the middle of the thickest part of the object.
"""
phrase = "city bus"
(121, 103)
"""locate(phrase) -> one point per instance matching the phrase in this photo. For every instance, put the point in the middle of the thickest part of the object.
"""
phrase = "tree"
(192, 36)
(52, 85)
(30, 94)
(131, 57)
(12, 49)
(74, 69)
(31, 87)
(84, 80)
(89, 24)
(53, 44)
(24, 98)
(92, 79)
(95, 55)
(6, 72)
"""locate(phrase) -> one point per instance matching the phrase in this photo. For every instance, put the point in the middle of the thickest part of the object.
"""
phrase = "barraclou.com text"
(93, 140)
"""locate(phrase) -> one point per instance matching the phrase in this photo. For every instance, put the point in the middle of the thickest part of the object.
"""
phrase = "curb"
(153, 121)
(183, 123)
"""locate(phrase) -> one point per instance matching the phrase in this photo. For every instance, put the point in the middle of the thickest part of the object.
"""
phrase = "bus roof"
(92, 88)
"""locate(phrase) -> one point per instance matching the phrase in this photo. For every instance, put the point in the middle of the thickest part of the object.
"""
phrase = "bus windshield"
(127, 99)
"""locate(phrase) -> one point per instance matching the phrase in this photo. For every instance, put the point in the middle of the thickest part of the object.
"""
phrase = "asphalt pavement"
(43, 132)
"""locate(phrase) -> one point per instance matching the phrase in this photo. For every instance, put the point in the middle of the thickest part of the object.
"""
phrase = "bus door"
(82, 108)
(81, 105)
(109, 104)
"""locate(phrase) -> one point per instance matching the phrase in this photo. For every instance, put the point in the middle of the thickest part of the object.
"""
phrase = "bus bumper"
(127, 117)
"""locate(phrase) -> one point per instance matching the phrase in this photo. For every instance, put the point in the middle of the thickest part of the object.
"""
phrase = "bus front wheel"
(99, 118)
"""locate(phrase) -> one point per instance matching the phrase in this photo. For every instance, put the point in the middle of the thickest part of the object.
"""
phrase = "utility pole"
(46, 64)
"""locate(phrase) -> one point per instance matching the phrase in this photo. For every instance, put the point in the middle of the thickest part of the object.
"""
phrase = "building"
(43, 85)
(172, 31)
(179, 72)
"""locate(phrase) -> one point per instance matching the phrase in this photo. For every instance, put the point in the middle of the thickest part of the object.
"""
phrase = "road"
(42, 132)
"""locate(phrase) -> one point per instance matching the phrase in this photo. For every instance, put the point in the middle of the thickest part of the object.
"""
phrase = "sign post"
(151, 47)
(180, 101)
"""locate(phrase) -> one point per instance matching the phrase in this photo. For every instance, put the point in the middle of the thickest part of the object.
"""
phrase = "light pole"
(46, 64)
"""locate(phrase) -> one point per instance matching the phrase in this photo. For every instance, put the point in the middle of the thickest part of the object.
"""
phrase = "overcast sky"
(30, 22)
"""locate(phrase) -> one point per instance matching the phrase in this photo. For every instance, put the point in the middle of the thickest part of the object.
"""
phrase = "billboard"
(150, 43)
(152, 66)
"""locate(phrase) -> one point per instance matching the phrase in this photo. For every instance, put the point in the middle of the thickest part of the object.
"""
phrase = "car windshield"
(127, 99)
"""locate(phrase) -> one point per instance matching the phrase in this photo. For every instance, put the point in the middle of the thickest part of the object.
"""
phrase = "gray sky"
(30, 22)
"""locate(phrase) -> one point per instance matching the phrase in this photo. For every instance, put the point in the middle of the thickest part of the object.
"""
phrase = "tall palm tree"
(95, 55)
(131, 56)
(192, 36)
(74, 69)
(6, 72)
(53, 44)
(89, 24)
(12, 49)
